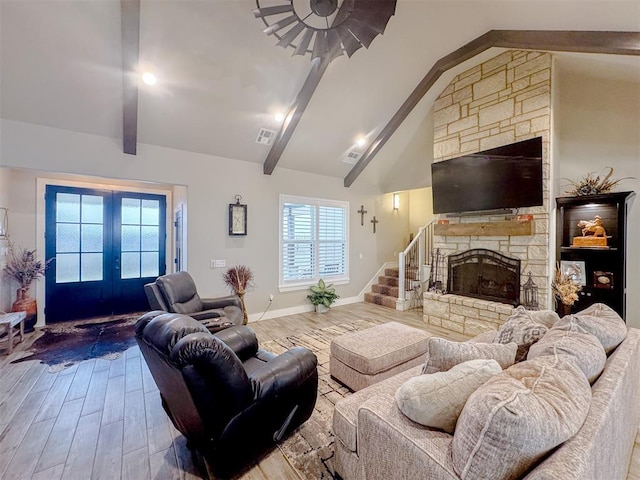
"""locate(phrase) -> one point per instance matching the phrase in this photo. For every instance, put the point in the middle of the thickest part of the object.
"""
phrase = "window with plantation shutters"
(313, 241)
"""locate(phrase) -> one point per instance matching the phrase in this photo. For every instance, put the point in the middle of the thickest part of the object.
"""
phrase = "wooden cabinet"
(602, 270)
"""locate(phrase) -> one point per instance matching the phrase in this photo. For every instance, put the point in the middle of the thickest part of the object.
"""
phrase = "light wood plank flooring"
(103, 419)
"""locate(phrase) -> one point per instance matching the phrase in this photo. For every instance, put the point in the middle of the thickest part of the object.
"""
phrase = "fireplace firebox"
(485, 274)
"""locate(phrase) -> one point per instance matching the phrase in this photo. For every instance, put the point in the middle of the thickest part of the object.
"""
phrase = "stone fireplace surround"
(501, 101)
(484, 274)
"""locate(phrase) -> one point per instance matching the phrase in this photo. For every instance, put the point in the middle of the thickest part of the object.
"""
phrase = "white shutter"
(314, 241)
(298, 234)
(331, 240)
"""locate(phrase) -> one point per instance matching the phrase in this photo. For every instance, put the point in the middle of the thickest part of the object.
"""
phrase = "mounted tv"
(506, 177)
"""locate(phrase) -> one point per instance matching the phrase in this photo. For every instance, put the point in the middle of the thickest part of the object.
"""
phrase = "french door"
(105, 246)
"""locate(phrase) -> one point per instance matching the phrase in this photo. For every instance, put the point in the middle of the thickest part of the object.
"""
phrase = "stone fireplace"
(484, 274)
(501, 101)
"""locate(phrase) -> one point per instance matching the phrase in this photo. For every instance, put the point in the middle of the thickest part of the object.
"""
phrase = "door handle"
(116, 263)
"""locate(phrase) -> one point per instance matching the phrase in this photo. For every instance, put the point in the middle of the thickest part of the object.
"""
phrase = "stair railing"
(410, 262)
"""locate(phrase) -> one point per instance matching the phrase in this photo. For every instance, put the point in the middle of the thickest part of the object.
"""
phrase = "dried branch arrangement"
(24, 267)
(564, 288)
(590, 184)
(238, 278)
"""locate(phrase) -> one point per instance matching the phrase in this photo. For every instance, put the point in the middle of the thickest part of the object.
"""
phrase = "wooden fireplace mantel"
(486, 229)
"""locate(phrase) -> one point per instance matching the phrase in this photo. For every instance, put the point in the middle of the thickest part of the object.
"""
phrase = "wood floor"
(102, 419)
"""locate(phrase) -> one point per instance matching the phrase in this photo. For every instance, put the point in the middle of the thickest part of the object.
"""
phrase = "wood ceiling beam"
(130, 31)
(318, 67)
(614, 43)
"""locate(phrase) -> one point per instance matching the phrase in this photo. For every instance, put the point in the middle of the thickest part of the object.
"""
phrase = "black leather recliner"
(177, 293)
(230, 399)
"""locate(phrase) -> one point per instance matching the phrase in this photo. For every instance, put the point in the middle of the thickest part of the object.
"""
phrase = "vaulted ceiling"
(221, 79)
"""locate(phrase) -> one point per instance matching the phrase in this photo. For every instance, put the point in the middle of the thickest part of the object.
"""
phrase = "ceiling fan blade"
(280, 25)
(349, 42)
(363, 32)
(333, 44)
(374, 13)
(303, 46)
(320, 45)
(291, 35)
(267, 11)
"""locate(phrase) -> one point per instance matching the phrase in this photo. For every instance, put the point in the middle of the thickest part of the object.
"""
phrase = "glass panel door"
(106, 246)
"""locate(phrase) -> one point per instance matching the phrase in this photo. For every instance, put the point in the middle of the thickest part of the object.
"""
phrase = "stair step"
(395, 272)
(378, 299)
(385, 290)
(390, 281)
(392, 272)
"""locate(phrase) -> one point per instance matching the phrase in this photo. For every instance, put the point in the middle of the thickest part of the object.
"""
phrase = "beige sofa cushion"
(548, 318)
(345, 413)
(445, 354)
(517, 417)
(436, 400)
(522, 329)
(599, 320)
(584, 348)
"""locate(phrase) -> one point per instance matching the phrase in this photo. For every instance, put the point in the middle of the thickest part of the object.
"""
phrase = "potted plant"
(24, 267)
(322, 296)
(238, 279)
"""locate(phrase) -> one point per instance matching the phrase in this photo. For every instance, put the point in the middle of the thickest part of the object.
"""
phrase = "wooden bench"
(7, 323)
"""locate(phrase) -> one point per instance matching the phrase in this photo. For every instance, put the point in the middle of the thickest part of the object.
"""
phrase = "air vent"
(351, 157)
(265, 136)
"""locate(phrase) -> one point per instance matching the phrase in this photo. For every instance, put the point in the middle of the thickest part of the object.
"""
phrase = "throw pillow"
(436, 400)
(584, 348)
(516, 418)
(548, 318)
(443, 354)
(521, 329)
(599, 320)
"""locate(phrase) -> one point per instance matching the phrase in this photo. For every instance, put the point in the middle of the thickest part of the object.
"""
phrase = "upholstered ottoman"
(362, 358)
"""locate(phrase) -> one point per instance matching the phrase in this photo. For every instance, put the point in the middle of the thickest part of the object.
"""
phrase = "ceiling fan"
(325, 28)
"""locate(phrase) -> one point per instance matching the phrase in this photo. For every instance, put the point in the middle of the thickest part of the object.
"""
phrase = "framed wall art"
(575, 270)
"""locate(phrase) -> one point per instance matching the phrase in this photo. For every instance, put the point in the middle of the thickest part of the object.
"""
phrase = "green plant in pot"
(322, 296)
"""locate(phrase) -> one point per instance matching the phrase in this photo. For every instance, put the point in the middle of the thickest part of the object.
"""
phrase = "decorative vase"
(320, 308)
(563, 309)
(245, 318)
(24, 303)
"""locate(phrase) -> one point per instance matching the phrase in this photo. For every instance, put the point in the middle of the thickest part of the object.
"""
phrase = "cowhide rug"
(64, 344)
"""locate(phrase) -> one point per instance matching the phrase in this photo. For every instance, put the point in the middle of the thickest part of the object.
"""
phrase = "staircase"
(385, 292)
(400, 287)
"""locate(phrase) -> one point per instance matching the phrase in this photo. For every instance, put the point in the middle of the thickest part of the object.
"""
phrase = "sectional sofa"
(376, 440)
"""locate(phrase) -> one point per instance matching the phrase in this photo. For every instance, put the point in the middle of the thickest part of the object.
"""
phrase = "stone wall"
(501, 101)
(470, 316)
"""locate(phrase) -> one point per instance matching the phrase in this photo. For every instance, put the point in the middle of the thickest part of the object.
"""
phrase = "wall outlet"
(270, 297)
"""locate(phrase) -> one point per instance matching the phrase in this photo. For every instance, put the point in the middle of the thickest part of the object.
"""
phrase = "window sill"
(306, 285)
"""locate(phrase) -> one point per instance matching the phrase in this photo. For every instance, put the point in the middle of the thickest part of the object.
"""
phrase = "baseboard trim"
(283, 312)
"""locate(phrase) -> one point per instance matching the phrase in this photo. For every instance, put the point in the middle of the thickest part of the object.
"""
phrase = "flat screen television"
(500, 178)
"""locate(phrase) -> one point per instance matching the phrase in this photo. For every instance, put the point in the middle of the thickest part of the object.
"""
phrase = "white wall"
(420, 208)
(210, 185)
(5, 292)
(597, 125)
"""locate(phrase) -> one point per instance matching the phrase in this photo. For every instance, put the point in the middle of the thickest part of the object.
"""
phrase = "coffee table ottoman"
(362, 358)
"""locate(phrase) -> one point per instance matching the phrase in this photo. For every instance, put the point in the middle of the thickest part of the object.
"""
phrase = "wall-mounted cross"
(362, 211)
(374, 221)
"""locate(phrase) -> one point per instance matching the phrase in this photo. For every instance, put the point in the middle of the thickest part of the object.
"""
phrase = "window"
(313, 241)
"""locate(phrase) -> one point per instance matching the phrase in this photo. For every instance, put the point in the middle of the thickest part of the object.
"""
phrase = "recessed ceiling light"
(279, 116)
(149, 78)
(361, 141)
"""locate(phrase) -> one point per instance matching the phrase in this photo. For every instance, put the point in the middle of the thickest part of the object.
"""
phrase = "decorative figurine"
(593, 234)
